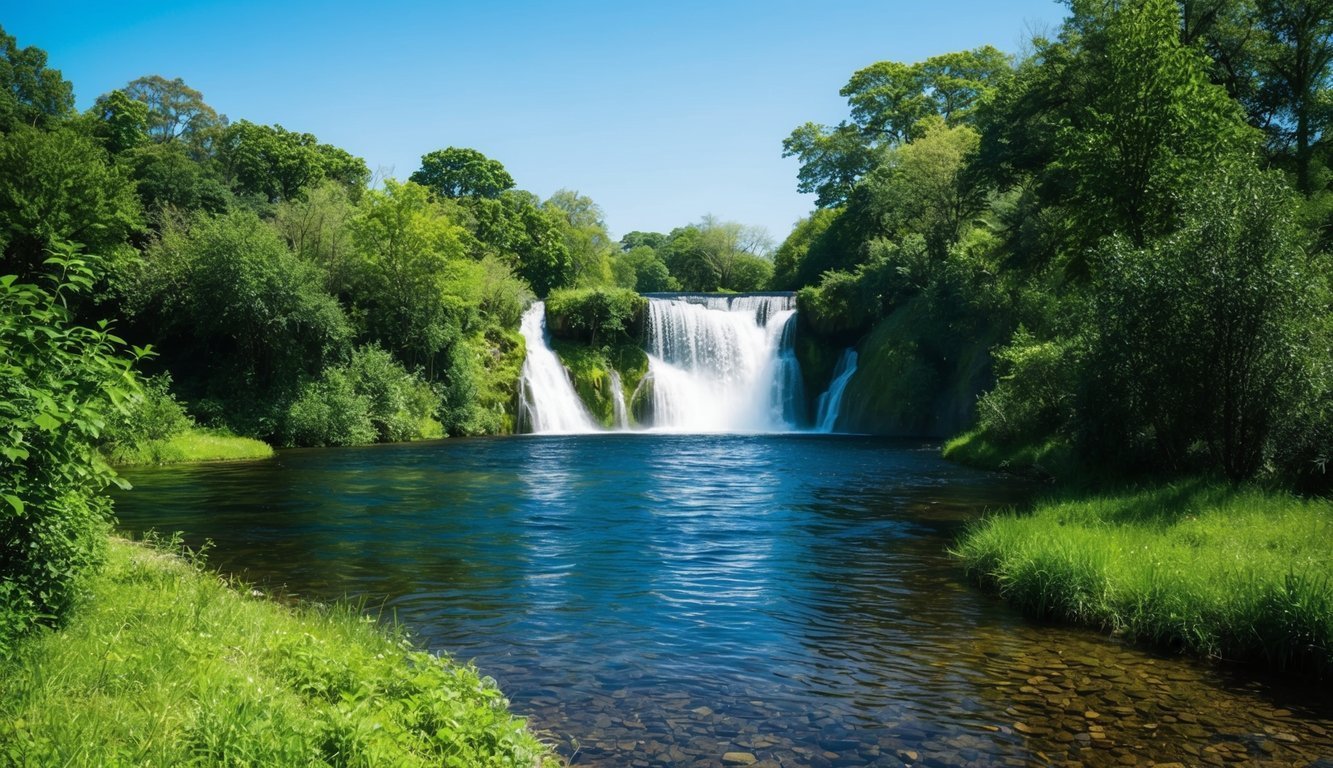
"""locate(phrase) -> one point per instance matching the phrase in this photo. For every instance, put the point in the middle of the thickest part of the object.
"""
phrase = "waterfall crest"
(547, 400)
(830, 403)
(723, 363)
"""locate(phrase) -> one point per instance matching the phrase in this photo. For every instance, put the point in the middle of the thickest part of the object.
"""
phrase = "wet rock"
(739, 758)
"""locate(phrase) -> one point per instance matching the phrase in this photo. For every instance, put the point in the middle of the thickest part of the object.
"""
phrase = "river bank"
(192, 445)
(165, 664)
(1240, 573)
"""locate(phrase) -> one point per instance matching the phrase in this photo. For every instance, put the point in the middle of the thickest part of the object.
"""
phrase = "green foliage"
(586, 239)
(1034, 392)
(121, 123)
(715, 255)
(596, 315)
(790, 257)
(594, 372)
(276, 164)
(1242, 575)
(57, 187)
(170, 665)
(191, 445)
(329, 411)
(406, 250)
(176, 112)
(238, 318)
(400, 405)
(60, 384)
(1204, 337)
(460, 172)
(519, 231)
(155, 418)
(889, 100)
(168, 179)
(31, 93)
(640, 270)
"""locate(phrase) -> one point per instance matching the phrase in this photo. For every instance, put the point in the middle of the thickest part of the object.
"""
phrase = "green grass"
(1050, 459)
(167, 665)
(192, 445)
(1241, 574)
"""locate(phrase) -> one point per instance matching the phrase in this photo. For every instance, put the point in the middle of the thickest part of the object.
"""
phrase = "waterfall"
(831, 401)
(723, 363)
(620, 409)
(547, 400)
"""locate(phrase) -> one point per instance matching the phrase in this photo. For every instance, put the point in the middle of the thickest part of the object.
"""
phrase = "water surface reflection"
(668, 599)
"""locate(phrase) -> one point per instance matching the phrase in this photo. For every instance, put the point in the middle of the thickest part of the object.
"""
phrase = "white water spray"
(547, 400)
(830, 403)
(723, 364)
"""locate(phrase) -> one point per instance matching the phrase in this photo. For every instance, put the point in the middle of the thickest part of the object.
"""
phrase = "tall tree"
(175, 110)
(31, 93)
(585, 236)
(1297, 65)
(461, 172)
(888, 101)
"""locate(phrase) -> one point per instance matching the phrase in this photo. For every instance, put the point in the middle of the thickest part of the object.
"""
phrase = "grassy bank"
(1241, 574)
(167, 665)
(1050, 459)
(191, 445)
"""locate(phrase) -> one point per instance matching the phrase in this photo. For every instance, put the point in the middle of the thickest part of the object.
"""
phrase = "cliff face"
(918, 375)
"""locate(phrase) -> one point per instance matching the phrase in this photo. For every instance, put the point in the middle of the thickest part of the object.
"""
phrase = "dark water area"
(669, 600)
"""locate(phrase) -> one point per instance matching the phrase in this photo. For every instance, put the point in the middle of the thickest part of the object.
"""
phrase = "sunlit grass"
(192, 445)
(168, 665)
(1240, 574)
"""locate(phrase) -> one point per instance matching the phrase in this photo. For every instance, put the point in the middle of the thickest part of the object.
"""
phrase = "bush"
(595, 315)
(399, 404)
(1205, 342)
(1033, 396)
(329, 411)
(59, 385)
(155, 418)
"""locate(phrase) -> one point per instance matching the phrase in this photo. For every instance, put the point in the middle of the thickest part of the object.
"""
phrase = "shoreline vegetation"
(1231, 572)
(166, 663)
(192, 446)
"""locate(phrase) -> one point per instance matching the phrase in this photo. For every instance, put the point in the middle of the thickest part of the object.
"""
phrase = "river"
(677, 600)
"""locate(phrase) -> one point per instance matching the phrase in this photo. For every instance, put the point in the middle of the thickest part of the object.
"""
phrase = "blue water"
(664, 599)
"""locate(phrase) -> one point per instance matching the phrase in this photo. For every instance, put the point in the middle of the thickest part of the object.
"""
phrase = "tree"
(57, 187)
(277, 164)
(1152, 123)
(121, 122)
(241, 322)
(586, 239)
(459, 172)
(640, 270)
(1207, 334)
(921, 189)
(1297, 65)
(888, 101)
(519, 231)
(175, 110)
(31, 93)
(404, 248)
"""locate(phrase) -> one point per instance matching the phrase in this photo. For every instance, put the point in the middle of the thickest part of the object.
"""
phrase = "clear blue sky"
(661, 112)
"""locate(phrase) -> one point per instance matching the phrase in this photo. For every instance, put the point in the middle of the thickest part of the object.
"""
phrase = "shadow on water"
(665, 599)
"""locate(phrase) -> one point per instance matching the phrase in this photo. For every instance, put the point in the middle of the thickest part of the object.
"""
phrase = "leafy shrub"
(155, 418)
(595, 315)
(329, 411)
(59, 385)
(1033, 396)
(398, 403)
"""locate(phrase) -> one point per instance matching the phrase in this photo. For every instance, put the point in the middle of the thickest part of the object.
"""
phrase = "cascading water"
(723, 363)
(547, 400)
(830, 403)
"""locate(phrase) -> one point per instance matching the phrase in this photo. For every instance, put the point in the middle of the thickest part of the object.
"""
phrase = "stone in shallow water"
(739, 758)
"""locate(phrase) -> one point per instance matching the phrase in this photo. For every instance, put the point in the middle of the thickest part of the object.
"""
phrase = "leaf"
(47, 422)
(15, 502)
